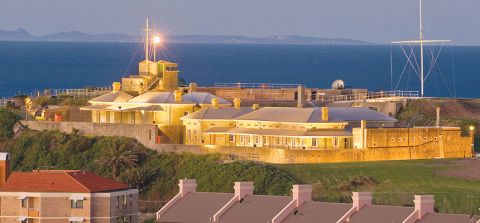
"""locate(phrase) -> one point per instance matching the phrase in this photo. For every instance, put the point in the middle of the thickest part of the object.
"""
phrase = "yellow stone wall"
(288, 156)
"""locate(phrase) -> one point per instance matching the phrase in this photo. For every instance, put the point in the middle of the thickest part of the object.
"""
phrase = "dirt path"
(466, 169)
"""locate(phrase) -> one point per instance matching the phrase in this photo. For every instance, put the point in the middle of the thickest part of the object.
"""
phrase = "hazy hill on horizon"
(76, 36)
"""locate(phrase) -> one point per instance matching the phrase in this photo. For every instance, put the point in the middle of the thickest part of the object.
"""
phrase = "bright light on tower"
(156, 39)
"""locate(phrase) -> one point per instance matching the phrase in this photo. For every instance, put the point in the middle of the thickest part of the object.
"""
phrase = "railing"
(3, 102)
(374, 95)
(82, 92)
(258, 85)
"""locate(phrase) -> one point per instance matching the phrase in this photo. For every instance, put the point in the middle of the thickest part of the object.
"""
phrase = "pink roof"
(73, 181)
(200, 206)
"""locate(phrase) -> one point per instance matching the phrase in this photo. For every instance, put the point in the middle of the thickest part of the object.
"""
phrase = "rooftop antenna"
(421, 41)
(146, 47)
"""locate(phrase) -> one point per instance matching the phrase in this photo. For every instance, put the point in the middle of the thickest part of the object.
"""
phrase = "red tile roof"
(70, 181)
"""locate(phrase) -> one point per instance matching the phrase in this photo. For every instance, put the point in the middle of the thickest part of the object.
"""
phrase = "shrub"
(7, 121)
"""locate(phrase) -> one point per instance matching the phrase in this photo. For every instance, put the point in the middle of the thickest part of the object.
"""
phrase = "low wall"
(285, 156)
(144, 133)
(141, 132)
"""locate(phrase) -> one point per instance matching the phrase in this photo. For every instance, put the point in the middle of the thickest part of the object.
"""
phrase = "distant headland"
(75, 36)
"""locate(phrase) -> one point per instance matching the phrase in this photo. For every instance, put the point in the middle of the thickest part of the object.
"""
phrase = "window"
(264, 140)
(76, 204)
(256, 139)
(195, 137)
(231, 138)
(118, 202)
(335, 142)
(393, 139)
(242, 138)
(314, 142)
(131, 200)
(189, 134)
(125, 200)
(25, 202)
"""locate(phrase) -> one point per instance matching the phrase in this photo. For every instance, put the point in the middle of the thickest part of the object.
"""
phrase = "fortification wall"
(145, 134)
(285, 156)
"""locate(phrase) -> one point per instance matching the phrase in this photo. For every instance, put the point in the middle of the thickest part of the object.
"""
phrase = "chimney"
(192, 87)
(215, 103)
(116, 86)
(302, 194)
(236, 103)
(361, 199)
(437, 108)
(243, 189)
(424, 205)
(325, 114)
(255, 107)
(363, 127)
(4, 168)
(178, 95)
(299, 97)
(187, 186)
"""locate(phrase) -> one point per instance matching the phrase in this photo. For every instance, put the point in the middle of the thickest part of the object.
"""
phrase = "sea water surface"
(28, 66)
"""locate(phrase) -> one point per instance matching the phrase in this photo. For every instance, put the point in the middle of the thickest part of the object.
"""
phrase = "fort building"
(279, 127)
(57, 196)
(163, 109)
(192, 206)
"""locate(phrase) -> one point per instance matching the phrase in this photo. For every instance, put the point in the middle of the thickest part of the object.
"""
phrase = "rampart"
(144, 133)
(141, 132)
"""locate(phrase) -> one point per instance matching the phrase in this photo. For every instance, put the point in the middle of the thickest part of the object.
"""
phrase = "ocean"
(29, 66)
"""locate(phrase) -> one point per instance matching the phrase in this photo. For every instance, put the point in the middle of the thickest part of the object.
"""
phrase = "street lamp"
(156, 40)
(120, 108)
(472, 137)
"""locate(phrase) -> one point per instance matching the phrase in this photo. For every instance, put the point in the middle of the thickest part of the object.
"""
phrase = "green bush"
(155, 175)
(7, 121)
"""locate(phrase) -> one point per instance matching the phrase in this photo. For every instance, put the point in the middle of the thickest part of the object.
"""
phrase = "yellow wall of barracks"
(195, 135)
(168, 121)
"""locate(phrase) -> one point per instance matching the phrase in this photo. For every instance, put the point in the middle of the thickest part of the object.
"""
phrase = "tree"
(118, 157)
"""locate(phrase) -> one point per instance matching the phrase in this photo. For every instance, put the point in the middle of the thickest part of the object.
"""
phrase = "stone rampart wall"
(269, 155)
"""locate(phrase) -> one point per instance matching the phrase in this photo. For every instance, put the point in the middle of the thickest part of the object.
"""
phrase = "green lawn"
(393, 183)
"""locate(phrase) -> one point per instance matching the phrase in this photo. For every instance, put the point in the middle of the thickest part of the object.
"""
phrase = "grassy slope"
(396, 183)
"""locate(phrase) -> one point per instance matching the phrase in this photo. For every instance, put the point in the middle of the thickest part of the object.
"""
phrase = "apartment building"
(63, 196)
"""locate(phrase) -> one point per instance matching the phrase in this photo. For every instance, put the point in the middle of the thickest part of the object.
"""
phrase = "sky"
(377, 21)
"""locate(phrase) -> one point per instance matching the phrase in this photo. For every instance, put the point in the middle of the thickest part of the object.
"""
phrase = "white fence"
(82, 92)
(374, 95)
(258, 85)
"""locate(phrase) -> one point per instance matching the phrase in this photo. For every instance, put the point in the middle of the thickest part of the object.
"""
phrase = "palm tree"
(118, 157)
